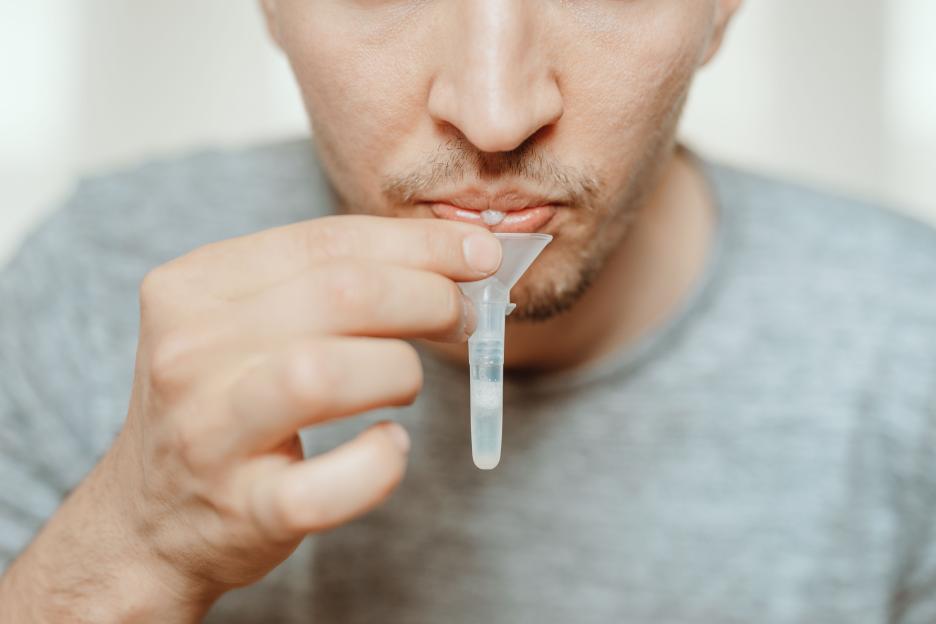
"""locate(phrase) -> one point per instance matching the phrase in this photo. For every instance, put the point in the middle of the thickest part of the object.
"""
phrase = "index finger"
(245, 265)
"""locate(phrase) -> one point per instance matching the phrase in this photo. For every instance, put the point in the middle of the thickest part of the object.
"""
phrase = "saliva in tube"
(486, 363)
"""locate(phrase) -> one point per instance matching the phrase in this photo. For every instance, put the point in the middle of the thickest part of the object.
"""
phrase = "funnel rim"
(521, 235)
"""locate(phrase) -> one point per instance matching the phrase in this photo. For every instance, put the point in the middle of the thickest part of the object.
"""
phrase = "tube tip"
(486, 462)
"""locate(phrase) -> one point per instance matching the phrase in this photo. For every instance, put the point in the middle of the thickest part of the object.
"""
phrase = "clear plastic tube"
(491, 298)
(486, 364)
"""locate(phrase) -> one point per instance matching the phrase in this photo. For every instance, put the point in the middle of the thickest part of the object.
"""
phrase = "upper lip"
(505, 200)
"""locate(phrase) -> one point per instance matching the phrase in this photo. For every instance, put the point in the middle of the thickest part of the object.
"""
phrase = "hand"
(243, 343)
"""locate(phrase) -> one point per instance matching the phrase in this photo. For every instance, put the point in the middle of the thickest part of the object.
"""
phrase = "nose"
(496, 84)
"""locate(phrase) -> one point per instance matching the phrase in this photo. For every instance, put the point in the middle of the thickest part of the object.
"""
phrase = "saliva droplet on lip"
(492, 217)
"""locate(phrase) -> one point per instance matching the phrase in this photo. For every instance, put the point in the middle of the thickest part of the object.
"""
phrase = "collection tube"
(486, 364)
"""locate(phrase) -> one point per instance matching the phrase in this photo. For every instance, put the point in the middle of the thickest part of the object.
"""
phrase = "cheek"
(639, 87)
(633, 73)
(362, 99)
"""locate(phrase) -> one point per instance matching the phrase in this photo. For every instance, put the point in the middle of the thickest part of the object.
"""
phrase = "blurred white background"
(837, 93)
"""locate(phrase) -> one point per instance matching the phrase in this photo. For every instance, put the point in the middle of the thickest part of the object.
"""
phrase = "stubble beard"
(543, 299)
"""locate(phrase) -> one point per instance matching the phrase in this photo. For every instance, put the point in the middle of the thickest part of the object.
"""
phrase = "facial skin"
(572, 101)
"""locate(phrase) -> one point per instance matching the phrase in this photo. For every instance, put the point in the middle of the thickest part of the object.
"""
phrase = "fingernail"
(482, 252)
(399, 436)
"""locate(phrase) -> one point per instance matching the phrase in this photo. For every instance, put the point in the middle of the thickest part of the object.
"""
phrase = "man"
(721, 400)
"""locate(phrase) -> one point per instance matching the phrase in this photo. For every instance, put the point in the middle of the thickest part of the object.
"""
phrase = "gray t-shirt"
(766, 455)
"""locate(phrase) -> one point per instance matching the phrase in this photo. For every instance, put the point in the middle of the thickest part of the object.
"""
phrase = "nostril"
(496, 106)
(494, 133)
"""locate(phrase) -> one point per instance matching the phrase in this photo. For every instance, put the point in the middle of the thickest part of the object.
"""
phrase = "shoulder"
(167, 206)
(836, 298)
(843, 288)
(116, 226)
(813, 239)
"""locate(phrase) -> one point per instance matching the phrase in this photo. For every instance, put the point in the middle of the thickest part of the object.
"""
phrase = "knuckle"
(451, 308)
(352, 287)
(190, 444)
(293, 513)
(329, 238)
(438, 243)
(411, 372)
(153, 286)
(435, 243)
(170, 360)
(309, 377)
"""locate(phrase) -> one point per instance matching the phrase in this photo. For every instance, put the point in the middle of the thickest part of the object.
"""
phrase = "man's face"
(559, 113)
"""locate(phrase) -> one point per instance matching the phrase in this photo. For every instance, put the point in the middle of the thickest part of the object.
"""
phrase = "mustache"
(457, 160)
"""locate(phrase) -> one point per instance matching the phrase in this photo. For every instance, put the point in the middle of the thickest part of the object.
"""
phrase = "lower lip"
(527, 220)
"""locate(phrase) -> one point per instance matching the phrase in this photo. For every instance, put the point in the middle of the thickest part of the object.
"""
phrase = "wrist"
(86, 566)
(39, 590)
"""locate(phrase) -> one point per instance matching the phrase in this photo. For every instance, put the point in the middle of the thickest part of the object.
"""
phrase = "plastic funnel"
(491, 298)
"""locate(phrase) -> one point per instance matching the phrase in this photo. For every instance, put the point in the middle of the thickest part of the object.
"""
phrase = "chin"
(551, 287)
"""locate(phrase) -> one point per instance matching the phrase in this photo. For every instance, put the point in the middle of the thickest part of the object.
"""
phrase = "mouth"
(525, 220)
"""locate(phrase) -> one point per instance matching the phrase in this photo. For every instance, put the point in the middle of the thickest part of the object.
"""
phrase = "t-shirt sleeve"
(42, 448)
(57, 346)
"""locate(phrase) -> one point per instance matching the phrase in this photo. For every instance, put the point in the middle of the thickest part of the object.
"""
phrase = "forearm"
(40, 588)
(83, 567)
